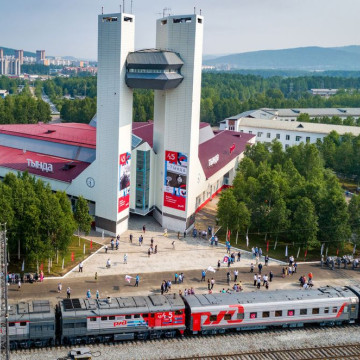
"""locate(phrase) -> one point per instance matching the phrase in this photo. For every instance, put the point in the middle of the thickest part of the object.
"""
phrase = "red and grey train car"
(120, 318)
(213, 313)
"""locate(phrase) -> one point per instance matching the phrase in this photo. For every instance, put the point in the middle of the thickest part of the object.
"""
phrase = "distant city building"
(326, 93)
(1, 53)
(40, 56)
(10, 66)
(19, 54)
(3, 93)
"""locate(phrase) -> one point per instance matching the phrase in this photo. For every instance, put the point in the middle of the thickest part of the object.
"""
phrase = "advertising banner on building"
(124, 182)
(175, 180)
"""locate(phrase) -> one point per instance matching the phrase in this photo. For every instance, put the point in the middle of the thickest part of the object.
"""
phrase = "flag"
(91, 244)
(228, 234)
(354, 249)
(286, 251)
(41, 266)
(275, 245)
(337, 252)
(326, 251)
(84, 248)
(63, 263)
(23, 265)
(128, 278)
(305, 252)
(298, 253)
(247, 241)
(267, 246)
(226, 259)
(322, 248)
(210, 268)
(72, 256)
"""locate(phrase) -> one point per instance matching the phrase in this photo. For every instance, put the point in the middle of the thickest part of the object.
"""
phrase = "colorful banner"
(175, 179)
(124, 181)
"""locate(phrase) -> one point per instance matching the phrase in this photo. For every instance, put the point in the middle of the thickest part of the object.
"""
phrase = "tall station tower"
(176, 123)
(114, 122)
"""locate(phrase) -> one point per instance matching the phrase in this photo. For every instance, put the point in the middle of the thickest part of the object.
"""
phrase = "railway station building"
(169, 167)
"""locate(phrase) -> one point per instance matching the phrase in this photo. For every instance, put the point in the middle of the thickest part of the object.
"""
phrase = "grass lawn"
(56, 270)
(279, 252)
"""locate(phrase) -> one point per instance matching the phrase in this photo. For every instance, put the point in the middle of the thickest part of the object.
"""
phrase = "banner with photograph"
(175, 180)
(124, 181)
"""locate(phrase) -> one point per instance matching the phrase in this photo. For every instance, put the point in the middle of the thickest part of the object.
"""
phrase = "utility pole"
(4, 325)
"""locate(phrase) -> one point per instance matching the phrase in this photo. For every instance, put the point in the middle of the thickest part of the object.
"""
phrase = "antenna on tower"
(200, 11)
(131, 7)
(102, 10)
(123, 5)
(194, 10)
(166, 9)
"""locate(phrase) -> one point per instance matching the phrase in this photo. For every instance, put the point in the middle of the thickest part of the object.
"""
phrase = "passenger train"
(88, 321)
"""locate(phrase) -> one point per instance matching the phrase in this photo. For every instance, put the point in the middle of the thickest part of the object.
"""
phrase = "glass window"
(213, 317)
(11, 324)
(136, 316)
(103, 318)
(266, 314)
(240, 316)
(227, 317)
(127, 316)
(278, 136)
(298, 138)
(335, 309)
(268, 135)
(253, 315)
(287, 137)
(303, 311)
(93, 319)
(145, 315)
(326, 310)
(80, 325)
(23, 323)
(111, 317)
(291, 312)
(278, 313)
(68, 326)
(152, 315)
(353, 307)
(286, 146)
(178, 312)
(308, 139)
(315, 311)
(259, 134)
(250, 132)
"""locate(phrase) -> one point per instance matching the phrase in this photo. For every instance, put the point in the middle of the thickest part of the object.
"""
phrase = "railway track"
(336, 352)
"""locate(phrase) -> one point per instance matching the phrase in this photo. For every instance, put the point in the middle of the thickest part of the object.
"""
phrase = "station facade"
(169, 167)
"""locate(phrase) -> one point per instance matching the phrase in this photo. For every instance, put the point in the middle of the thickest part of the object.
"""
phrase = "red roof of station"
(222, 148)
(64, 133)
(144, 130)
(63, 169)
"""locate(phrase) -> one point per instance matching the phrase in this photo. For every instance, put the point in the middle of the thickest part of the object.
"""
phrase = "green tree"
(227, 210)
(81, 215)
(354, 216)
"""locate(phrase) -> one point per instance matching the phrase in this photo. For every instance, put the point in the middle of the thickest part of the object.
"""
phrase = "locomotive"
(88, 321)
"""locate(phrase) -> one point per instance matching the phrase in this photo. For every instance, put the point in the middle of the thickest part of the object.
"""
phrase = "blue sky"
(69, 27)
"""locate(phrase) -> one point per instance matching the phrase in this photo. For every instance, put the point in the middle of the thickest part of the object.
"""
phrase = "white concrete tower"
(114, 119)
(176, 124)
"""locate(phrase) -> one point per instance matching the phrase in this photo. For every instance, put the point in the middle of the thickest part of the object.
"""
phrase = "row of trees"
(288, 195)
(23, 109)
(80, 111)
(334, 120)
(40, 222)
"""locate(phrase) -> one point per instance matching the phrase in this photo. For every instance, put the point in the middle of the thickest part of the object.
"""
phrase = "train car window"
(23, 323)
(253, 315)
(136, 316)
(68, 326)
(104, 318)
(80, 325)
(145, 315)
(291, 313)
(266, 314)
(335, 309)
(11, 324)
(303, 311)
(93, 319)
(111, 317)
(315, 311)
(353, 307)
(326, 310)
(227, 317)
(213, 317)
(240, 316)
(278, 313)
(152, 315)
(127, 316)
(178, 312)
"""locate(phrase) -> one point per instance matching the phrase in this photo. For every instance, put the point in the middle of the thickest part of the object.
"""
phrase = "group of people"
(114, 244)
(165, 286)
(306, 284)
(264, 280)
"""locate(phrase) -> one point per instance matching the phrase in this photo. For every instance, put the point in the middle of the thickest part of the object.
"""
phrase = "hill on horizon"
(311, 58)
(10, 51)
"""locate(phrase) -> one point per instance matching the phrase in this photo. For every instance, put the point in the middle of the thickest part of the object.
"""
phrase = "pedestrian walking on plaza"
(125, 258)
(255, 279)
(155, 249)
(97, 294)
(162, 288)
(95, 276)
(173, 245)
(106, 249)
(149, 252)
(81, 266)
(144, 228)
(295, 267)
(271, 275)
(209, 284)
(260, 267)
(41, 276)
(165, 233)
(219, 264)
(176, 278)
(252, 268)
(112, 244)
(117, 244)
(88, 294)
(228, 277)
(258, 282)
(229, 262)
(203, 273)
(236, 273)
(238, 256)
(178, 235)
(131, 237)
(19, 285)
(59, 287)
(266, 259)
(68, 292)
(212, 283)
(108, 263)
(184, 234)
(137, 279)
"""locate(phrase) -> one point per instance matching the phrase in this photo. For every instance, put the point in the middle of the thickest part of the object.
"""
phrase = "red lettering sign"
(120, 323)
(171, 156)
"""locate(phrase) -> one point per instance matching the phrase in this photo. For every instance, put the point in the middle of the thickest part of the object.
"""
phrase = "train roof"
(260, 297)
(32, 310)
(121, 305)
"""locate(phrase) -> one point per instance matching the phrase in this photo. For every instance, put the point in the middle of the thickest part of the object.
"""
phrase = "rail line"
(336, 352)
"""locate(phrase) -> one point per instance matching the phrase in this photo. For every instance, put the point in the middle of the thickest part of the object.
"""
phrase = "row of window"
(279, 313)
(278, 136)
(136, 316)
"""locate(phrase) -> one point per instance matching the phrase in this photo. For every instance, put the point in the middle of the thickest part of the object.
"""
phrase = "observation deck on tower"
(153, 69)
